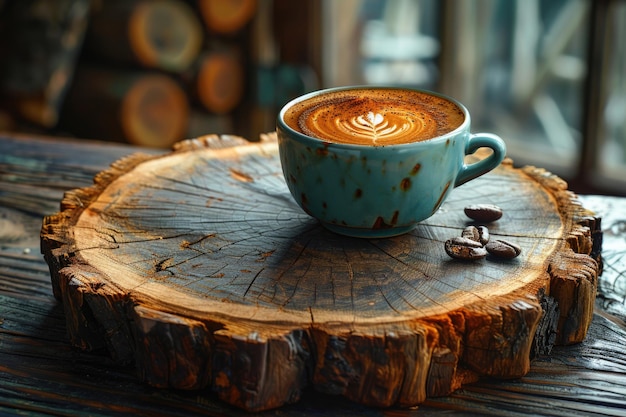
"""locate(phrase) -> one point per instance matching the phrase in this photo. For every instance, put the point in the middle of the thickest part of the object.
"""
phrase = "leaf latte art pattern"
(375, 120)
(375, 127)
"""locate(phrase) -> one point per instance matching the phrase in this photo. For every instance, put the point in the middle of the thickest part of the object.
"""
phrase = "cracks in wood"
(251, 262)
(389, 303)
(252, 282)
(351, 279)
(241, 176)
(164, 265)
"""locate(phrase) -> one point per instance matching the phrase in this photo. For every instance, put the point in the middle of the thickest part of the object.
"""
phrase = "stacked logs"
(147, 72)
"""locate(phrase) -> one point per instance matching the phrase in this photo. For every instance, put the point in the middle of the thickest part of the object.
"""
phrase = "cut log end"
(220, 82)
(226, 16)
(173, 49)
(154, 112)
(200, 269)
(161, 34)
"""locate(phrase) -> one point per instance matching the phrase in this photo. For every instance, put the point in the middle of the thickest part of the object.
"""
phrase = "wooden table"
(41, 374)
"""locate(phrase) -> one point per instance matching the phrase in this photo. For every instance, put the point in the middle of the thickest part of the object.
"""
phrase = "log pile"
(147, 72)
(40, 42)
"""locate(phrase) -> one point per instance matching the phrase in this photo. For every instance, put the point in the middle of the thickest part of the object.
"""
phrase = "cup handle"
(476, 141)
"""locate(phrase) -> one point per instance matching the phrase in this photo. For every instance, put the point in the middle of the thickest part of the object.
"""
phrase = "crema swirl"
(374, 117)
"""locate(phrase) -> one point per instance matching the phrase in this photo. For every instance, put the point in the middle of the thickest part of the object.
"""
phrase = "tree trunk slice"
(218, 81)
(226, 17)
(143, 108)
(163, 34)
(199, 268)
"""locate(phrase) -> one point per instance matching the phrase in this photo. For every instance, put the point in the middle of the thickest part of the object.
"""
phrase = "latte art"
(382, 129)
(374, 117)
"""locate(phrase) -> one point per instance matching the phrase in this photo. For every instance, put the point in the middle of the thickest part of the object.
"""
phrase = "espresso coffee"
(374, 117)
(399, 155)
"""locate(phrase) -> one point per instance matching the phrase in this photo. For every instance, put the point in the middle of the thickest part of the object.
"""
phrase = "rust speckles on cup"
(402, 149)
(322, 151)
(441, 196)
(305, 203)
(380, 222)
(416, 169)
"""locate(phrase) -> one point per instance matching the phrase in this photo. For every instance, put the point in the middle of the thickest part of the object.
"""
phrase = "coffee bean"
(471, 232)
(503, 249)
(483, 212)
(464, 248)
(483, 234)
(478, 234)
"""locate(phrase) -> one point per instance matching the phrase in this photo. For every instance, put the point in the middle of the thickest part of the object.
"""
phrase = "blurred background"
(549, 76)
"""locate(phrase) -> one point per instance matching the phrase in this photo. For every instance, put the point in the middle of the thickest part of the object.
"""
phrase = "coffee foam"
(374, 117)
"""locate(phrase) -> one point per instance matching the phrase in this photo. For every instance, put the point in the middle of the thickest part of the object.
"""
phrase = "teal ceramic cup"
(379, 191)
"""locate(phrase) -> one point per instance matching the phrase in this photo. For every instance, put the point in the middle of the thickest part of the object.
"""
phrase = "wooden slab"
(199, 269)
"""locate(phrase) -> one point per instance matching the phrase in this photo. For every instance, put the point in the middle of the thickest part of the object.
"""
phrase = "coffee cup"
(373, 162)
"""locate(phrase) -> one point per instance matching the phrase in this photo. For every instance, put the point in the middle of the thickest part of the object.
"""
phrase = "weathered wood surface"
(40, 374)
(198, 268)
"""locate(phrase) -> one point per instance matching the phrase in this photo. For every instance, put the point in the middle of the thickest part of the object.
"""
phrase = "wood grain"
(39, 367)
(198, 267)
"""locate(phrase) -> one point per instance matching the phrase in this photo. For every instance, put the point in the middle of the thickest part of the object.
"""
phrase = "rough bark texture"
(199, 268)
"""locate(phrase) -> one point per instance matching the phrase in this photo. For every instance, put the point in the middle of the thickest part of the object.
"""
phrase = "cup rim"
(303, 137)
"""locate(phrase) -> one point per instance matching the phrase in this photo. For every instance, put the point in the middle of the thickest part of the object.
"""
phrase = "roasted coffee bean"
(503, 249)
(478, 234)
(483, 212)
(483, 234)
(464, 248)
(471, 232)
